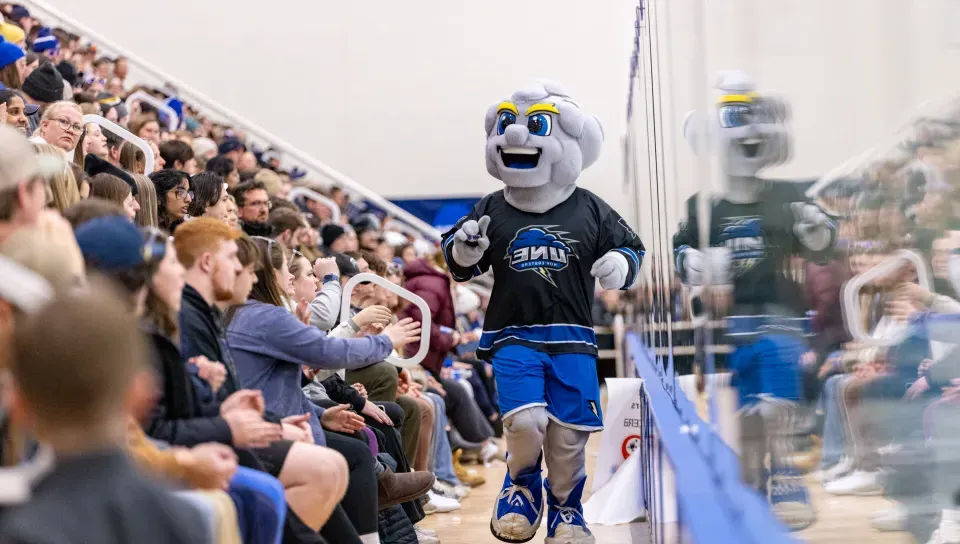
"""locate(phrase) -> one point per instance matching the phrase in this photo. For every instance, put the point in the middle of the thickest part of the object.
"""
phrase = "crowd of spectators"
(174, 365)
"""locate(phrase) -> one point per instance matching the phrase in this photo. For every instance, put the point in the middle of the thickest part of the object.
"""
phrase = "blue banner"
(441, 213)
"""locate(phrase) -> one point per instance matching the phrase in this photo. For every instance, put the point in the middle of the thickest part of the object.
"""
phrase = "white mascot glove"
(611, 269)
(695, 265)
(471, 241)
(811, 226)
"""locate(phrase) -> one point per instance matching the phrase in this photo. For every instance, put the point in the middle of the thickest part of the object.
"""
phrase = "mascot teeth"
(523, 158)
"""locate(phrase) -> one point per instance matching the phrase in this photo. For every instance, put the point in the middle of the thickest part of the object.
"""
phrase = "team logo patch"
(540, 249)
(745, 238)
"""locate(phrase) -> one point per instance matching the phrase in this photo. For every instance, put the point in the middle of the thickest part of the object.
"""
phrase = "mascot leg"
(565, 451)
(519, 508)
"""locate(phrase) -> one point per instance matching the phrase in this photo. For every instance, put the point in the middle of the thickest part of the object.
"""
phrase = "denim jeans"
(441, 462)
(834, 427)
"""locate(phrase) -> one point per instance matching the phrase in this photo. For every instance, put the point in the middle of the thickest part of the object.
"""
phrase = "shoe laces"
(566, 514)
(511, 491)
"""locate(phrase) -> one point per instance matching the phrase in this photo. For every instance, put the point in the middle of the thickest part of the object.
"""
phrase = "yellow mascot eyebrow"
(738, 98)
(542, 107)
(508, 106)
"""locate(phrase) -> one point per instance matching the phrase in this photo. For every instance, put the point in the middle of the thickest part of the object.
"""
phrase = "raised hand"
(470, 242)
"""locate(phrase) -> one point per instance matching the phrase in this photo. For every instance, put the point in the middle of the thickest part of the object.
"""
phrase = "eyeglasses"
(65, 124)
(259, 204)
(182, 193)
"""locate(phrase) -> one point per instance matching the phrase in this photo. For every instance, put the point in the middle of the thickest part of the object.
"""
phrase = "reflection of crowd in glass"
(884, 418)
(174, 365)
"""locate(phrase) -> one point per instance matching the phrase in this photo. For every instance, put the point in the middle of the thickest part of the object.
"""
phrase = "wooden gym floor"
(840, 519)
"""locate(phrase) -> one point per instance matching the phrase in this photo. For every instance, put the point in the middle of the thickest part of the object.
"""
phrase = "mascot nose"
(516, 135)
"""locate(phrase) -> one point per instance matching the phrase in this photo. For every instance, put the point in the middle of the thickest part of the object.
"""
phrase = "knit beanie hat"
(9, 53)
(330, 232)
(44, 84)
(12, 33)
(69, 73)
(45, 41)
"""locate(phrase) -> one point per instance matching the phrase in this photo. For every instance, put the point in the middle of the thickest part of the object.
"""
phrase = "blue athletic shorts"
(768, 366)
(566, 384)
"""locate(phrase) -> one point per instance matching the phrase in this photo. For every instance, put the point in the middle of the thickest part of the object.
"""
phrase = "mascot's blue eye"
(540, 124)
(735, 116)
(506, 119)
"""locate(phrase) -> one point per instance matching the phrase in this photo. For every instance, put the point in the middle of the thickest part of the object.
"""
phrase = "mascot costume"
(756, 227)
(548, 243)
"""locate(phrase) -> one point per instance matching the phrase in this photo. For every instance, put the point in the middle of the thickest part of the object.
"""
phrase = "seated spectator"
(92, 208)
(42, 87)
(83, 419)
(210, 197)
(173, 197)
(338, 239)
(146, 196)
(132, 159)
(17, 111)
(179, 156)
(286, 225)
(63, 185)
(12, 64)
(22, 194)
(93, 141)
(225, 167)
(253, 205)
(270, 344)
(114, 189)
(61, 126)
(146, 127)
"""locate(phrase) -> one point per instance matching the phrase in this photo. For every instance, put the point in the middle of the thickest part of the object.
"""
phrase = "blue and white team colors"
(542, 296)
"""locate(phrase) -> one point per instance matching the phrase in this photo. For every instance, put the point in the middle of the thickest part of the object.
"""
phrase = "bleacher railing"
(691, 478)
(50, 15)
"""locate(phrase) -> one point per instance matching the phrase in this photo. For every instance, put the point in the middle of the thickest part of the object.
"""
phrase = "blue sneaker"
(565, 524)
(789, 499)
(519, 508)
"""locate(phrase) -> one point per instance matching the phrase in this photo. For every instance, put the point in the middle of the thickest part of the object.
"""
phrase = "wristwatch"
(331, 277)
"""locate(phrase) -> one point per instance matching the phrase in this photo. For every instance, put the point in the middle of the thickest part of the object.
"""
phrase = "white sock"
(372, 538)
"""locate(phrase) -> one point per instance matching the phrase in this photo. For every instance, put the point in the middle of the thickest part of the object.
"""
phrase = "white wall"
(393, 94)
(852, 70)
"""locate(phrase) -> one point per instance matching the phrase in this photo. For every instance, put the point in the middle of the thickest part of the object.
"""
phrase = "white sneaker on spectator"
(949, 530)
(844, 467)
(859, 482)
(443, 504)
(424, 537)
(890, 519)
(488, 452)
(444, 489)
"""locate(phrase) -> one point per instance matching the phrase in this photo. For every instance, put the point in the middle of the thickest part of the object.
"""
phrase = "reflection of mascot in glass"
(548, 242)
(756, 226)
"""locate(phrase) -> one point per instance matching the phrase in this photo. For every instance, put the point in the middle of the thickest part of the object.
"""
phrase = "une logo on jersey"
(744, 237)
(539, 248)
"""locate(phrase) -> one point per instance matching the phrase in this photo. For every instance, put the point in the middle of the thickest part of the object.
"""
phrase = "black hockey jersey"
(761, 240)
(543, 291)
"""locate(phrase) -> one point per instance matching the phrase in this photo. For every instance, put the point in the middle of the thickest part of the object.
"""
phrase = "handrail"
(316, 197)
(173, 120)
(851, 309)
(126, 135)
(198, 98)
(402, 293)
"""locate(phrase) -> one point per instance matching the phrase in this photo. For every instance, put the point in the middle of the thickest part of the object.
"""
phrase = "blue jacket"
(270, 344)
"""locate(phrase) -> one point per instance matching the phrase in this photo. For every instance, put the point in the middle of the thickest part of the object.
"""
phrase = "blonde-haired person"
(233, 212)
(63, 184)
(61, 126)
(92, 141)
(146, 197)
(270, 179)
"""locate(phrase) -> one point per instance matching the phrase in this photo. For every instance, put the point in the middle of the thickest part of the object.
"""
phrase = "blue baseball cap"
(115, 244)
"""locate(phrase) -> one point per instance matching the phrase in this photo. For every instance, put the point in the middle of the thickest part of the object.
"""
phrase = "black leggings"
(360, 502)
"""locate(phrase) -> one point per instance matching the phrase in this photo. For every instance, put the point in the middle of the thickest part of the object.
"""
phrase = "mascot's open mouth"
(750, 147)
(522, 158)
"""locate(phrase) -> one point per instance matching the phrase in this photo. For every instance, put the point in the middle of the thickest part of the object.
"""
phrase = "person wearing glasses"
(174, 196)
(253, 205)
(61, 126)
